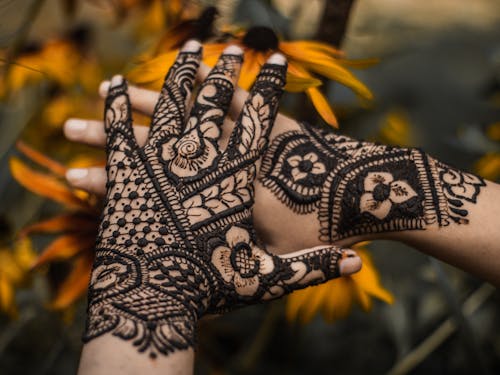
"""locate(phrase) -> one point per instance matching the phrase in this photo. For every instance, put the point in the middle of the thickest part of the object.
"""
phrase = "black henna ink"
(359, 188)
(176, 239)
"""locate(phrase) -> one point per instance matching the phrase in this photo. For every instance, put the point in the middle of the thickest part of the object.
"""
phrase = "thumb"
(309, 267)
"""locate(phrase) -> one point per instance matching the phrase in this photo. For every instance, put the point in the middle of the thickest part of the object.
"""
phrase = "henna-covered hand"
(361, 188)
(176, 239)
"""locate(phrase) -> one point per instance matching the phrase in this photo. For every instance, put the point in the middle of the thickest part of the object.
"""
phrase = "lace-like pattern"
(176, 239)
(358, 188)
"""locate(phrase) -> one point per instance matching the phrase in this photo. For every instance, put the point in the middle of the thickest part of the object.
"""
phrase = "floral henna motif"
(358, 188)
(176, 239)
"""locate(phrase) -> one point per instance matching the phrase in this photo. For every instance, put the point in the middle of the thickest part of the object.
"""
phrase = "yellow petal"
(64, 247)
(75, 285)
(249, 70)
(62, 223)
(308, 50)
(339, 301)
(296, 83)
(489, 166)
(24, 253)
(322, 106)
(41, 159)
(151, 74)
(359, 64)
(334, 71)
(44, 185)
(317, 295)
(7, 303)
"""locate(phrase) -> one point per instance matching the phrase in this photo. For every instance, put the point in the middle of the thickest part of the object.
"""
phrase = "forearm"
(474, 247)
(445, 213)
(109, 355)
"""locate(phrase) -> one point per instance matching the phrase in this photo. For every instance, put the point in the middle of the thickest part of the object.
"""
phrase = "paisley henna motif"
(358, 188)
(176, 239)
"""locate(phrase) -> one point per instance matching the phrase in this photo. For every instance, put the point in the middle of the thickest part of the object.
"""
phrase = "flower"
(65, 61)
(15, 264)
(306, 61)
(396, 129)
(302, 166)
(335, 298)
(77, 228)
(240, 262)
(196, 149)
(381, 192)
(488, 166)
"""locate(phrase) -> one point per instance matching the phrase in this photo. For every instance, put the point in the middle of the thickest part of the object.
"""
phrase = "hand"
(176, 239)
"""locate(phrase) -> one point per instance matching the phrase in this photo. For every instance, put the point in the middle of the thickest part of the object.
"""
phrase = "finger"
(170, 111)
(309, 267)
(252, 129)
(91, 132)
(239, 96)
(92, 180)
(212, 102)
(118, 117)
(144, 100)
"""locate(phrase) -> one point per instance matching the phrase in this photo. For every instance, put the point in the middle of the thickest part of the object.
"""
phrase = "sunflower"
(64, 61)
(308, 61)
(76, 228)
(488, 166)
(15, 264)
(335, 298)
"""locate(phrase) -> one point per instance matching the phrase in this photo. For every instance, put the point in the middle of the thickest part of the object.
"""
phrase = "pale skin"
(473, 247)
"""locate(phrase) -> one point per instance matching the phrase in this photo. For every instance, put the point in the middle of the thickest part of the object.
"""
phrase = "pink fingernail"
(350, 265)
(75, 125)
(191, 46)
(76, 174)
(233, 50)
(277, 58)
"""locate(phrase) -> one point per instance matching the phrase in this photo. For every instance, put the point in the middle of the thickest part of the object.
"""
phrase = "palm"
(176, 239)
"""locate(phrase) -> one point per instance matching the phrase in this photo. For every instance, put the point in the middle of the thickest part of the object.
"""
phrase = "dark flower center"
(306, 166)
(242, 262)
(381, 192)
(261, 38)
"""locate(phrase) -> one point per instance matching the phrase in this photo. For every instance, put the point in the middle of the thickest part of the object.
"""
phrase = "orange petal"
(41, 159)
(359, 64)
(7, 302)
(301, 55)
(64, 247)
(322, 106)
(75, 285)
(340, 299)
(306, 46)
(249, 70)
(294, 303)
(295, 83)
(334, 71)
(62, 223)
(317, 296)
(45, 185)
(152, 73)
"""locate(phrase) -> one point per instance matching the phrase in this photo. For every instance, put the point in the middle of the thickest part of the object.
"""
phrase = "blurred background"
(406, 72)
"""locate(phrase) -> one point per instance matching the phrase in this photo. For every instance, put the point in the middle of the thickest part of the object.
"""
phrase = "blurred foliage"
(55, 53)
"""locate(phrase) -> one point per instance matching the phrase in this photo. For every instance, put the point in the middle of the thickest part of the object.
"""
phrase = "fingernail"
(76, 174)
(104, 87)
(277, 58)
(350, 265)
(76, 126)
(116, 80)
(191, 46)
(232, 50)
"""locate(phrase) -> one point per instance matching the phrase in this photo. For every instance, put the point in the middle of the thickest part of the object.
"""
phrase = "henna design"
(358, 188)
(176, 239)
